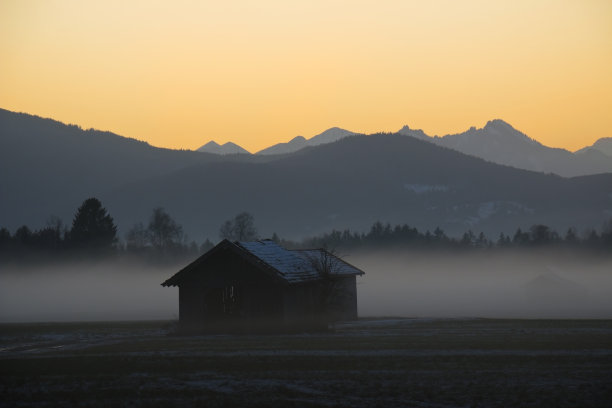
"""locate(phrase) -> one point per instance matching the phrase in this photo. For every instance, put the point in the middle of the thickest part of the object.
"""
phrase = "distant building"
(261, 286)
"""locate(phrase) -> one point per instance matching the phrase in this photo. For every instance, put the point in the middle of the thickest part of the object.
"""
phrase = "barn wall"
(347, 298)
(203, 297)
(191, 306)
(299, 304)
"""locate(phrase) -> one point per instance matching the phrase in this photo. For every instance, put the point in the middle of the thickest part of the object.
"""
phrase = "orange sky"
(180, 73)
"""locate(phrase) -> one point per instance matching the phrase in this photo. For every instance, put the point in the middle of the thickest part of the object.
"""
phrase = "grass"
(387, 362)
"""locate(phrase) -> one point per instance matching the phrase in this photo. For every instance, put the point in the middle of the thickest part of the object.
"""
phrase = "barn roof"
(291, 266)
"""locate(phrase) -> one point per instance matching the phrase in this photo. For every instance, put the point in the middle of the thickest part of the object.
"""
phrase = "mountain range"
(48, 168)
(497, 142)
(603, 145)
(299, 142)
(500, 143)
(226, 148)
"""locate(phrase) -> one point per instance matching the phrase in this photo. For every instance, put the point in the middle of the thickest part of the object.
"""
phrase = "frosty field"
(371, 362)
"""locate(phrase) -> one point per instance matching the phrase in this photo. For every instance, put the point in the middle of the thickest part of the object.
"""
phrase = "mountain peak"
(499, 124)
(603, 145)
(418, 133)
(298, 139)
(226, 148)
(499, 142)
(335, 131)
(502, 129)
(330, 135)
(211, 144)
(293, 145)
(299, 142)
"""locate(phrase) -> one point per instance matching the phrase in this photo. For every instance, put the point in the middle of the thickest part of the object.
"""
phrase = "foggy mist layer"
(87, 292)
(521, 284)
(517, 284)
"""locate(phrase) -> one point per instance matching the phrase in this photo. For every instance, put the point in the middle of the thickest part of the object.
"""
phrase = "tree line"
(93, 233)
(404, 236)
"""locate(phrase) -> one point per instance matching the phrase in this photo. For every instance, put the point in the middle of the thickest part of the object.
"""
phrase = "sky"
(180, 73)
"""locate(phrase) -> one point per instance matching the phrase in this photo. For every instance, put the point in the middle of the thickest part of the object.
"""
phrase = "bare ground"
(369, 363)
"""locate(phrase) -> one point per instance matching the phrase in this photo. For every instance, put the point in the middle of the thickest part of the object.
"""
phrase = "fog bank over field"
(87, 292)
(409, 284)
(521, 284)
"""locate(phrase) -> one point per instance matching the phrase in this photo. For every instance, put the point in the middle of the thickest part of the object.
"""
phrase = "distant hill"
(500, 143)
(299, 142)
(603, 145)
(227, 148)
(358, 180)
(295, 144)
(48, 168)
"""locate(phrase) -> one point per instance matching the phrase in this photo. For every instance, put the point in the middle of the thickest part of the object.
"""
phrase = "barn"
(261, 286)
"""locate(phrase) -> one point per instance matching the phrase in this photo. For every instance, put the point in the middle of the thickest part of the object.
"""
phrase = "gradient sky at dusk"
(180, 73)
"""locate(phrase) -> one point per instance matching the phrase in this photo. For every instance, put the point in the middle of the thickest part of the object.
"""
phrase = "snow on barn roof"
(292, 266)
(297, 265)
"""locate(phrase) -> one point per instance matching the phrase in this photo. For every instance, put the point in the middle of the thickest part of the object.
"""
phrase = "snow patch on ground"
(488, 209)
(426, 188)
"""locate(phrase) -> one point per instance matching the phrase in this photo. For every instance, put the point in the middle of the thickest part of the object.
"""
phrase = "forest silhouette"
(93, 234)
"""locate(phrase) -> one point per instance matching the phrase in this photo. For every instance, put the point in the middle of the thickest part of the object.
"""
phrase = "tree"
(606, 233)
(241, 228)
(5, 238)
(520, 237)
(51, 237)
(503, 240)
(570, 236)
(331, 293)
(23, 236)
(93, 227)
(467, 239)
(163, 232)
(482, 240)
(439, 235)
(541, 234)
(137, 237)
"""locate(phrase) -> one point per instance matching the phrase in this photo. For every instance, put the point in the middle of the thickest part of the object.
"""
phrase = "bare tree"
(56, 224)
(331, 293)
(163, 232)
(137, 237)
(241, 228)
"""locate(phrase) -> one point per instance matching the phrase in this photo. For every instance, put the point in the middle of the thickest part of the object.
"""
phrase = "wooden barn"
(261, 286)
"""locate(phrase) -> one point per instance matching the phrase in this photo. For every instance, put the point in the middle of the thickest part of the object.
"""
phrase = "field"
(368, 363)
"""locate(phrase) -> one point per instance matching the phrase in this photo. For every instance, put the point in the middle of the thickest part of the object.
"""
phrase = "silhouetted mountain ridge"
(500, 143)
(603, 146)
(358, 180)
(47, 167)
(497, 141)
(299, 142)
(227, 148)
(50, 168)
